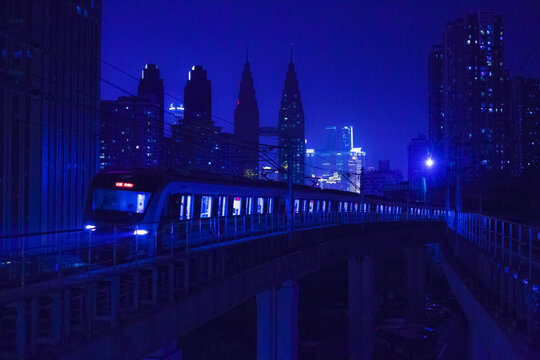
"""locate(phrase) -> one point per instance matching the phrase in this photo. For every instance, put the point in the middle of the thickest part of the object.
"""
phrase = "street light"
(429, 162)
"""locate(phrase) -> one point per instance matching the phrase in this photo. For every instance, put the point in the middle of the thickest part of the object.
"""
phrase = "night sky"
(358, 62)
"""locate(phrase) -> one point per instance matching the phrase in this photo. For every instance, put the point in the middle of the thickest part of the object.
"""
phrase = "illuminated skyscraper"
(49, 112)
(291, 131)
(246, 125)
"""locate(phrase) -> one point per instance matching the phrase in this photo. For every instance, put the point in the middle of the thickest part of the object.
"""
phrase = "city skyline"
(347, 67)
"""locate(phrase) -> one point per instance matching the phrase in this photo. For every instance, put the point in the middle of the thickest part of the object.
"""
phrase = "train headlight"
(140, 232)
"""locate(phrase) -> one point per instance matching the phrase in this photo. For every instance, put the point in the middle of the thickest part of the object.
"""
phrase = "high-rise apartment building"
(49, 111)
(132, 127)
(475, 96)
(246, 126)
(436, 129)
(291, 129)
(131, 133)
(526, 124)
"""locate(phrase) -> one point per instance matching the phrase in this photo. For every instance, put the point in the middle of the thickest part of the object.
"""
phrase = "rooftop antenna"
(291, 51)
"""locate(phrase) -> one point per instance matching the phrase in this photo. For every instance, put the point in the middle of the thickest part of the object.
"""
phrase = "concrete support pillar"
(277, 323)
(361, 312)
(416, 283)
(477, 349)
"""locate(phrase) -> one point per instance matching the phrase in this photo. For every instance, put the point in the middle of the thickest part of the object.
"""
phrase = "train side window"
(304, 205)
(330, 205)
(206, 206)
(340, 206)
(311, 206)
(296, 206)
(260, 205)
(346, 207)
(318, 208)
(185, 207)
(324, 206)
(270, 206)
(355, 207)
(249, 205)
(222, 208)
(237, 206)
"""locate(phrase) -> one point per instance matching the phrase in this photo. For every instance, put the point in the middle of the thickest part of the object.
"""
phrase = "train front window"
(120, 200)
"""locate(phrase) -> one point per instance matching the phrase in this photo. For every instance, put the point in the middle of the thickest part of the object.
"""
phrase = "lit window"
(311, 206)
(237, 206)
(206, 207)
(260, 205)
(270, 205)
(296, 206)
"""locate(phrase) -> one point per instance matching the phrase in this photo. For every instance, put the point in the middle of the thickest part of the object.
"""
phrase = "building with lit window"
(338, 164)
(130, 133)
(291, 129)
(436, 129)
(132, 127)
(246, 126)
(526, 123)
(475, 95)
(49, 112)
(383, 181)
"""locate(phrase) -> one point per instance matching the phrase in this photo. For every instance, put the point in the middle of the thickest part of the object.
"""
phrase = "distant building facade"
(291, 129)
(436, 119)
(382, 181)
(132, 127)
(475, 96)
(338, 164)
(49, 112)
(246, 126)
(130, 133)
(526, 124)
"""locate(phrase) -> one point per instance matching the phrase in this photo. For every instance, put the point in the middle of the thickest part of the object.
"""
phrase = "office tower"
(337, 165)
(347, 132)
(436, 129)
(198, 98)
(246, 126)
(525, 124)
(174, 116)
(49, 112)
(196, 144)
(291, 139)
(130, 133)
(475, 108)
(152, 84)
(418, 154)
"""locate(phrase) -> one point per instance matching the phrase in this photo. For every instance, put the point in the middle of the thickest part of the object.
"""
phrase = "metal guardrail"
(37, 257)
(504, 257)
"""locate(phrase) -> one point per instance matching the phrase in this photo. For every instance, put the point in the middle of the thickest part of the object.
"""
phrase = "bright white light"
(429, 162)
(90, 227)
(140, 232)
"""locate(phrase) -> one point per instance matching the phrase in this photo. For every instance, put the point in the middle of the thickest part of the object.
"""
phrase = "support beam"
(477, 349)
(361, 308)
(416, 282)
(277, 323)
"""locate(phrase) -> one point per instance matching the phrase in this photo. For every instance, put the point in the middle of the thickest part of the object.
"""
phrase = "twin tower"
(291, 128)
